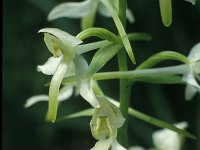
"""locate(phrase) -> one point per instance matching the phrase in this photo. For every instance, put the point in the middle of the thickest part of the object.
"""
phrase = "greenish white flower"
(61, 45)
(168, 140)
(104, 125)
(85, 10)
(193, 76)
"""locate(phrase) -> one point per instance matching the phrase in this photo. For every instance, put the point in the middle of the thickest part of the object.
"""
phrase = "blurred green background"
(24, 49)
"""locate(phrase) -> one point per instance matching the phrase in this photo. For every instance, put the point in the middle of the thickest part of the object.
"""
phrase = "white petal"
(81, 67)
(191, 1)
(65, 37)
(87, 93)
(65, 93)
(136, 148)
(34, 99)
(190, 92)
(71, 10)
(50, 66)
(190, 79)
(129, 15)
(103, 144)
(194, 54)
(168, 140)
(117, 146)
(103, 11)
(70, 70)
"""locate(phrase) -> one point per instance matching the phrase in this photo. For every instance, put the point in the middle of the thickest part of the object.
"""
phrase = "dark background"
(24, 49)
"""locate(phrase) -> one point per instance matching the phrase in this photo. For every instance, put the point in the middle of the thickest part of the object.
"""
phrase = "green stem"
(125, 87)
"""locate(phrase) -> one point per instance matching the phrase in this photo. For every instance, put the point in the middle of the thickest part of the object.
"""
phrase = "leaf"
(159, 57)
(120, 29)
(166, 12)
(98, 32)
(101, 57)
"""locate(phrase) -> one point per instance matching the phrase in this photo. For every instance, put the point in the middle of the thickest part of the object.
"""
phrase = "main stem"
(124, 83)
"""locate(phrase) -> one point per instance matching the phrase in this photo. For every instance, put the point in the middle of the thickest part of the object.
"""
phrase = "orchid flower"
(193, 76)
(104, 125)
(61, 45)
(85, 10)
(167, 140)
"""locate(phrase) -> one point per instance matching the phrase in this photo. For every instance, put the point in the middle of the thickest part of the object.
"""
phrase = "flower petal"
(103, 11)
(62, 35)
(191, 1)
(70, 70)
(103, 144)
(166, 139)
(129, 15)
(194, 54)
(190, 79)
(81, 67)
(136, 148)
(65, 93)
(71, 10)
(54, 89)
(50, 66)
(117, 146)
(87, 93)
(190, 92)
(34, 99)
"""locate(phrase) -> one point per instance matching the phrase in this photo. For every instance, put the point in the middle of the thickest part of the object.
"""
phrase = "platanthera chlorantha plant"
(71, 73)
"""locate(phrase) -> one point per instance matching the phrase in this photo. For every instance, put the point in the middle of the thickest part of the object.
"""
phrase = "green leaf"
(101, 57)
(84, 113)
(159, 123)
(120, 29)
(162, 56)
(98, 32)
(166, 12)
